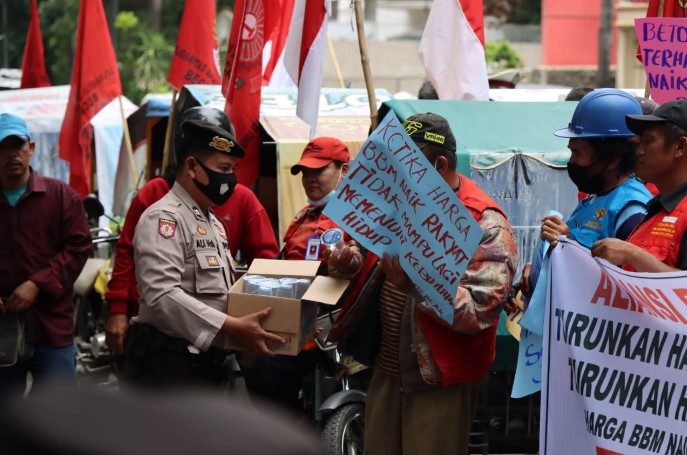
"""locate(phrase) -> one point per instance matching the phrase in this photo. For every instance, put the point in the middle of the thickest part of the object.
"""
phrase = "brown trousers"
(433, 421)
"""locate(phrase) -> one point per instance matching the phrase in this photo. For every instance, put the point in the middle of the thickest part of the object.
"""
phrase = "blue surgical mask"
(324, 200)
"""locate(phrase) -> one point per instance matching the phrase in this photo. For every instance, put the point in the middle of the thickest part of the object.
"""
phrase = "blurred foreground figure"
(65, 420)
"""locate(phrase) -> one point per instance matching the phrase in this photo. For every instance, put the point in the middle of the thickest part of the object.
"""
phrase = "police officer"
(184, 270)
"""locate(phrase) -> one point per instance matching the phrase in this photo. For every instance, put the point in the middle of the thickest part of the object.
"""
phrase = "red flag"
(95, 82)
(242, 82)
(33, 73)
(671, 8)
(196, 58)
(278, 38)
(304, 56)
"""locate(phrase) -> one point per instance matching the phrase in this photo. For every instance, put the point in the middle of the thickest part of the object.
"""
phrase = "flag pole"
(168, 132)
(659, 13)
(127, 143)
(335, 60)
(362, 43)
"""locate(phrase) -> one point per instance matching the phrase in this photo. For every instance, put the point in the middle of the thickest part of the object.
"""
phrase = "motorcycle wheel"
(343, 432)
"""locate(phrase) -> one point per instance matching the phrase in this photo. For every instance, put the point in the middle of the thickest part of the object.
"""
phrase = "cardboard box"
(292, 319)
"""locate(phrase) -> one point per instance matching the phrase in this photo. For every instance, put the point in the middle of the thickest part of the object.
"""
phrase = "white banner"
(615, 359)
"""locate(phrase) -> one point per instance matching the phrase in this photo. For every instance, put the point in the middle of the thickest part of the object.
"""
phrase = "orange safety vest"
(661, 234)
(462, 357)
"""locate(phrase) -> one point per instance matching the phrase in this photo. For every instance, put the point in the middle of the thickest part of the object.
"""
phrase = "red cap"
(320, 152)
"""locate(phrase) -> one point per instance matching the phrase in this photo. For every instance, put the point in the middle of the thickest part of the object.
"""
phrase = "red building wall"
(570, 33)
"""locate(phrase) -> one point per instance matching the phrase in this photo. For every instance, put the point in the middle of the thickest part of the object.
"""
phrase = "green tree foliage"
(501, 55)
(58, 24)
(144, 57)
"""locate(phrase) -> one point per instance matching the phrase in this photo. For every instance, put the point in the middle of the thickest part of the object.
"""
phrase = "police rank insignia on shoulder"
(212, 261)
(201, 231)
(167, 228)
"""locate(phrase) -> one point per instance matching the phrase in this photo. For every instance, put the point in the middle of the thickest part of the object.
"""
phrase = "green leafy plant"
(501, 55)
(144, 57)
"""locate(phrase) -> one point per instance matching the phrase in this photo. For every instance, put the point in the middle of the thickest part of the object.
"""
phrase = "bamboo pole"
(362, 43)
(127, 143)
(335, 59)
(659, 13)
(168, 133)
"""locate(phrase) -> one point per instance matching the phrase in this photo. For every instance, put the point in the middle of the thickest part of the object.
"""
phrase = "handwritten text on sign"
(663, 43)
(394, 201)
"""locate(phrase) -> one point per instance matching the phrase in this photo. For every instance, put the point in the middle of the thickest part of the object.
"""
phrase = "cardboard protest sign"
(394, 201)
(662, 43)
(615, 357)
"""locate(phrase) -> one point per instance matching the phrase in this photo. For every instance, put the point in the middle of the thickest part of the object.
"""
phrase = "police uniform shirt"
(183, 269)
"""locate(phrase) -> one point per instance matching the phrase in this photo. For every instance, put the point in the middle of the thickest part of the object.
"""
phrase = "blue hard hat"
(601, 113)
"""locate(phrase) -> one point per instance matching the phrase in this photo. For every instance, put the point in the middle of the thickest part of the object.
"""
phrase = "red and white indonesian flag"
(273, 53)
(452, 50)
(304, 55)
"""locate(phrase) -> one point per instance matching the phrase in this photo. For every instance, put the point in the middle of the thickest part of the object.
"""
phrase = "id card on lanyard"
(312, 248)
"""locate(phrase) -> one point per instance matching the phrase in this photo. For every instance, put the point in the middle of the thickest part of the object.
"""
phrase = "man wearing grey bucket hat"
(657, 245)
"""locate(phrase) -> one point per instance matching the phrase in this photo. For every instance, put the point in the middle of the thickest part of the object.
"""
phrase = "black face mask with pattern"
(591, 184)
(220, 186)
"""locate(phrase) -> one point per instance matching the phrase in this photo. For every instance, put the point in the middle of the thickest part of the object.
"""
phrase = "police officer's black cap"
(205, 135)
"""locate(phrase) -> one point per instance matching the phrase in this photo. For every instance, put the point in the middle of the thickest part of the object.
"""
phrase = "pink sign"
(663, 43)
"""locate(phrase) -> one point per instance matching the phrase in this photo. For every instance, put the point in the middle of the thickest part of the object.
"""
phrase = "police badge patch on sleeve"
(167, 228)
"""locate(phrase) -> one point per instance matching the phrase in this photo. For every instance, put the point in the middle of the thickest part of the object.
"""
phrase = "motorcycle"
(90, 309)
(335, 395)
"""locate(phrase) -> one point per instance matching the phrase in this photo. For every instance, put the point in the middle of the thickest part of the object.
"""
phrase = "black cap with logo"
(431, 129)
(205, 135)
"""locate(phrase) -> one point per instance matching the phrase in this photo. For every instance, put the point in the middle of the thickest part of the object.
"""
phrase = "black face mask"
(591, 184)
(220, 185)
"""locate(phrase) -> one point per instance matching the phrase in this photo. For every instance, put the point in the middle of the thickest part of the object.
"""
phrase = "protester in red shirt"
(45, 244)
(323, 164)
(248, 225)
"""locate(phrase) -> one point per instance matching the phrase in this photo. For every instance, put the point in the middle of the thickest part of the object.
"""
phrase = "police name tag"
(312, 248)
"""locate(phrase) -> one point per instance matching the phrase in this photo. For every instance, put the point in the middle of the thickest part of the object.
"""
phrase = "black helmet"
(205, 113)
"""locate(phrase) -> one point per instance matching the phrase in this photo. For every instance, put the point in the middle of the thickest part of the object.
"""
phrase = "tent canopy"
(489, 133)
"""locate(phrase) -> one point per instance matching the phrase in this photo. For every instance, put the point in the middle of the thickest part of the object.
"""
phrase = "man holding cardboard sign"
(434, 232)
